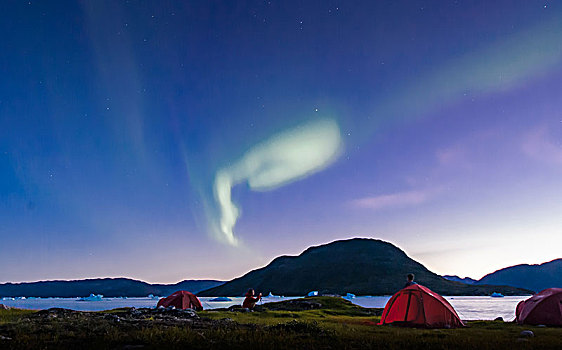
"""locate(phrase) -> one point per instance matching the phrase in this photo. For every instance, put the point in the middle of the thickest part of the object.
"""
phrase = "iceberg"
(221, 299)
(497, 295)
(314, 293)
(92, 297)
(349, 296)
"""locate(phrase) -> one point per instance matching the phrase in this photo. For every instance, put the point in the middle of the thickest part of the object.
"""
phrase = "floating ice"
(221, 299)
(92, 297)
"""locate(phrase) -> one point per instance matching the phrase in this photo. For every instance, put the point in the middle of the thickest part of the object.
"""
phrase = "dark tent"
(418, 306)
(181, 300)
(542, 308)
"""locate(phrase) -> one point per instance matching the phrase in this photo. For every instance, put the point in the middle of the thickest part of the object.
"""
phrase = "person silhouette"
(250, 301)
(410, 278)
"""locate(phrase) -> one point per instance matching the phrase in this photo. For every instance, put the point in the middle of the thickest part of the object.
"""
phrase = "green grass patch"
(11, 315)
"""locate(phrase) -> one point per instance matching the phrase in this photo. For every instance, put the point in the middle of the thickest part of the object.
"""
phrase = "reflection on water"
(468, 308)
(486, 308)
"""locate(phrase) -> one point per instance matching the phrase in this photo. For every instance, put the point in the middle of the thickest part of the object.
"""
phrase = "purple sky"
(179, 140)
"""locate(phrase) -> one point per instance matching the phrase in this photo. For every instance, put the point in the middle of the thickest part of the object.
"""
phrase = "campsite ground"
(316, 323)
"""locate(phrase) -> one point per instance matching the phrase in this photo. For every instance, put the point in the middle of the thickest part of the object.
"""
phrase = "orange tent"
(418, 306)
(542, 308)
(181, 300)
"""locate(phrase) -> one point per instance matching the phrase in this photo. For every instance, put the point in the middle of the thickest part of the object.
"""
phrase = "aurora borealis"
(136, 135)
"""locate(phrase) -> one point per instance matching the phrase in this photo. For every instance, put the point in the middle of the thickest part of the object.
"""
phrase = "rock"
(294, 305)
(235, 308)
(5, 338)
(526, 334)
(499, 319)
(190, 313)
(112, 317)
(56, 312)
(134, 312)
(175, 314)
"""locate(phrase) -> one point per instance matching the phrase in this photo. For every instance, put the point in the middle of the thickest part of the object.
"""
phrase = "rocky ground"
(309, 323)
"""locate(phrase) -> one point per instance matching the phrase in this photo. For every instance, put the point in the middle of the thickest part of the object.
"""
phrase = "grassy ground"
(336, 325)
(12, 315)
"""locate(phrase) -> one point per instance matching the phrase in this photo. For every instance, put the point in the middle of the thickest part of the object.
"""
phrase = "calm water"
(468, 308)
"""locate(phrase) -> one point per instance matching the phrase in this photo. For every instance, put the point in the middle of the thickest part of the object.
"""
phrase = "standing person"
(410, 278)
(250, 300)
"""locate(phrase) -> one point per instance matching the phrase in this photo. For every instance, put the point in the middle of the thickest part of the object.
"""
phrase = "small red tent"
(181, 300)
(418, 306)
(542, 308)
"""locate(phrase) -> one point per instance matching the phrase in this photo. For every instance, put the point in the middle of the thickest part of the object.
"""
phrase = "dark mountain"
(359, 266)
(466, 280)
(109, 287)
(533, 277)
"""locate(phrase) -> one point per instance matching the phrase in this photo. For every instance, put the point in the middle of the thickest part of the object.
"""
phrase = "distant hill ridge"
(109, 287)
(456, 278)
(534, 277)
(360, 266)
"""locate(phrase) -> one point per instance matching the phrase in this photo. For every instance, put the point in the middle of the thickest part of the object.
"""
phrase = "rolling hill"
(466, 280)
(533, 277)
(359, 266)
(109, 287)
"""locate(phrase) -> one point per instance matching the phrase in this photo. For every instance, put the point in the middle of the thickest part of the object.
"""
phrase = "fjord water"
(468, 307)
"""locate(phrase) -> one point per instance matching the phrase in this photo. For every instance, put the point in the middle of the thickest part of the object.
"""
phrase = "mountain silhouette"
(360, 266)
(108, 287)
(533, 277)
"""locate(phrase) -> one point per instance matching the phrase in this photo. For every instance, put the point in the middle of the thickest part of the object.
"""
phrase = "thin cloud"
(539, 145)
(393, 200)
(451, 156)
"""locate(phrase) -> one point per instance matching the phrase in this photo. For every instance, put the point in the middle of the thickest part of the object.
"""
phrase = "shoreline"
(468, 307)
(333, 323)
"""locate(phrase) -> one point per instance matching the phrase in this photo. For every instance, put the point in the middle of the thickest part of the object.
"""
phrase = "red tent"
(181, 300)
(418, 306)
(542, 308)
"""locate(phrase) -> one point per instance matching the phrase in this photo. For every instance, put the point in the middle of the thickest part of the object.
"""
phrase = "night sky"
(171, 140)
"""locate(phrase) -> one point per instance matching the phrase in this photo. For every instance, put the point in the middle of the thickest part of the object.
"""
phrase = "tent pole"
(408, 306)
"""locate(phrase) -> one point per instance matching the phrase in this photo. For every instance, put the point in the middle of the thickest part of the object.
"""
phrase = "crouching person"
(251, 300)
